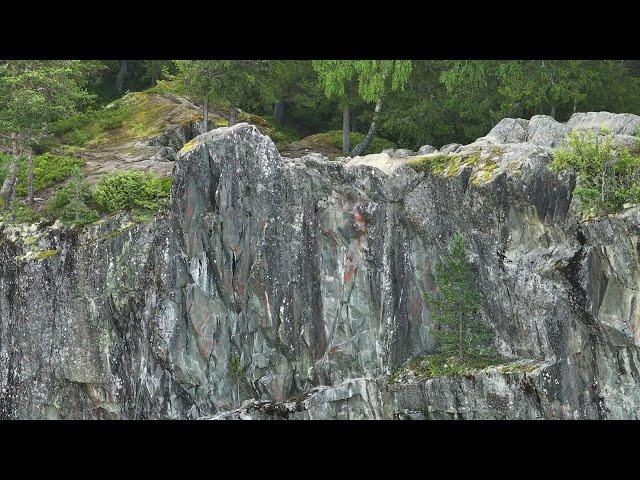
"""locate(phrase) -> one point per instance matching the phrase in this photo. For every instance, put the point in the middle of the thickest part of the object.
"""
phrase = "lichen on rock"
(275, 288)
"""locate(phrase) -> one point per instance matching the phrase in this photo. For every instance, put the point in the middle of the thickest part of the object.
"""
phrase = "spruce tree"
(455, 308)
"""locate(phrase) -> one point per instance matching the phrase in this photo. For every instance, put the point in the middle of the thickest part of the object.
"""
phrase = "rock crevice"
(280, 288)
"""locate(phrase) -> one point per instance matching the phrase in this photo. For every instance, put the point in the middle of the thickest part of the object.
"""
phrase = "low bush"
(48, 170)
(70, 203)
(131, 190)
(608, 176)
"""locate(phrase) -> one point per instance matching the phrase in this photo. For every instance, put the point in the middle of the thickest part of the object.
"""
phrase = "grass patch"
(48, 170)
(333, 140)
(434, 366)
(20, 213)
(136, 116)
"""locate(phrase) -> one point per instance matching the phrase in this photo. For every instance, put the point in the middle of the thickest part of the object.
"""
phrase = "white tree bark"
(364, 144)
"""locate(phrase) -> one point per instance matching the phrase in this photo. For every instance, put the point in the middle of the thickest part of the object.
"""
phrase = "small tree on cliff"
(455, 308)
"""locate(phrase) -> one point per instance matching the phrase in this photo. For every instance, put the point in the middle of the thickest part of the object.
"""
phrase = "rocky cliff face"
(280, 288)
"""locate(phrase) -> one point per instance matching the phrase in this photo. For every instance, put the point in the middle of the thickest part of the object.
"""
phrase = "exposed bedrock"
(279, 288)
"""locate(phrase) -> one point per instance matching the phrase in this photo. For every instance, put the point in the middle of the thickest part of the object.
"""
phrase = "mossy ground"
(136, 116)
(48, 170)
(434, 366)
(444, 164)
(485, 165)
(330, 144)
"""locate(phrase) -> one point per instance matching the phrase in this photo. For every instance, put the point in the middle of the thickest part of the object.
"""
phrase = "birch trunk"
(364, 144)
(345, 130)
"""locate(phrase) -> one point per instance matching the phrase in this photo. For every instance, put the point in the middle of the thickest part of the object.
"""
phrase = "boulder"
(425, 149)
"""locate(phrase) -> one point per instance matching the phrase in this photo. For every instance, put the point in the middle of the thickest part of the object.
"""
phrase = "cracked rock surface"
(280, 288)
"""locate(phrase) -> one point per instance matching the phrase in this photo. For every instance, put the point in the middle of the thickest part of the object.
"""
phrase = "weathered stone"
(291, 289)
(509, 130)
(450, 148)
(616, 123)
(545, 131)
(423, 150)
(397, 152)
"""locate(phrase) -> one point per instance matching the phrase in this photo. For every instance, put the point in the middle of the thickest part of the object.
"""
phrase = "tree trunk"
(8, 185)
(575, 105)
(552, 114)
(345, 130)
(460, 340)
(30, 166)
(205, 116)
(364, 144)
(279, 111)
(233, 116)
(122, 74)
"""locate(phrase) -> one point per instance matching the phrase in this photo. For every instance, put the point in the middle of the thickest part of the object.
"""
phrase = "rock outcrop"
(279, 288)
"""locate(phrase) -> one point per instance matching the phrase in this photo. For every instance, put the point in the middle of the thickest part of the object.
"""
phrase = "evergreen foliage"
(131, 190)
(70, 203)
(461, 333)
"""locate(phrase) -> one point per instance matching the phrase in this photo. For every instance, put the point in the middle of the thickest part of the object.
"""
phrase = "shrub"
(48, 170)
(607, 176)
(70, 203)
(18, 213)
(131, 190)
(433, 366)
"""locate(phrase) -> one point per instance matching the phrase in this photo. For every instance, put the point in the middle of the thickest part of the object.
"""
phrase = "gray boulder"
(450, 148)
(509, 130)
(164, 154)
(425, 149)
(398, 152)
(616, 123)
(545, 131)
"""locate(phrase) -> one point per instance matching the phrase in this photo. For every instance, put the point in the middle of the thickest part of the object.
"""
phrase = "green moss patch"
(136, 116)
(444, 164)
(44, 254)
(434, 366)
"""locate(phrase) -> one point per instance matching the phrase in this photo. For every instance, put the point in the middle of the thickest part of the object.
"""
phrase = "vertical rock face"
(279, 288)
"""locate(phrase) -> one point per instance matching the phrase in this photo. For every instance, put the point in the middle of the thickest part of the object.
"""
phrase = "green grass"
(48, 170)
(434, 366)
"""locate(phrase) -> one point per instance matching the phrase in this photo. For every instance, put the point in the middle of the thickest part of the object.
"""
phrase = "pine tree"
(455, 308)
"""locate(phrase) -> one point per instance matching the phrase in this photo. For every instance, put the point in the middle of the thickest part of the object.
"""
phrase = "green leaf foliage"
(608, 177)
(70, 203)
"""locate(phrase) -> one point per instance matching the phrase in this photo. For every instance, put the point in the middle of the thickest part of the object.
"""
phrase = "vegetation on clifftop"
(608, 176)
